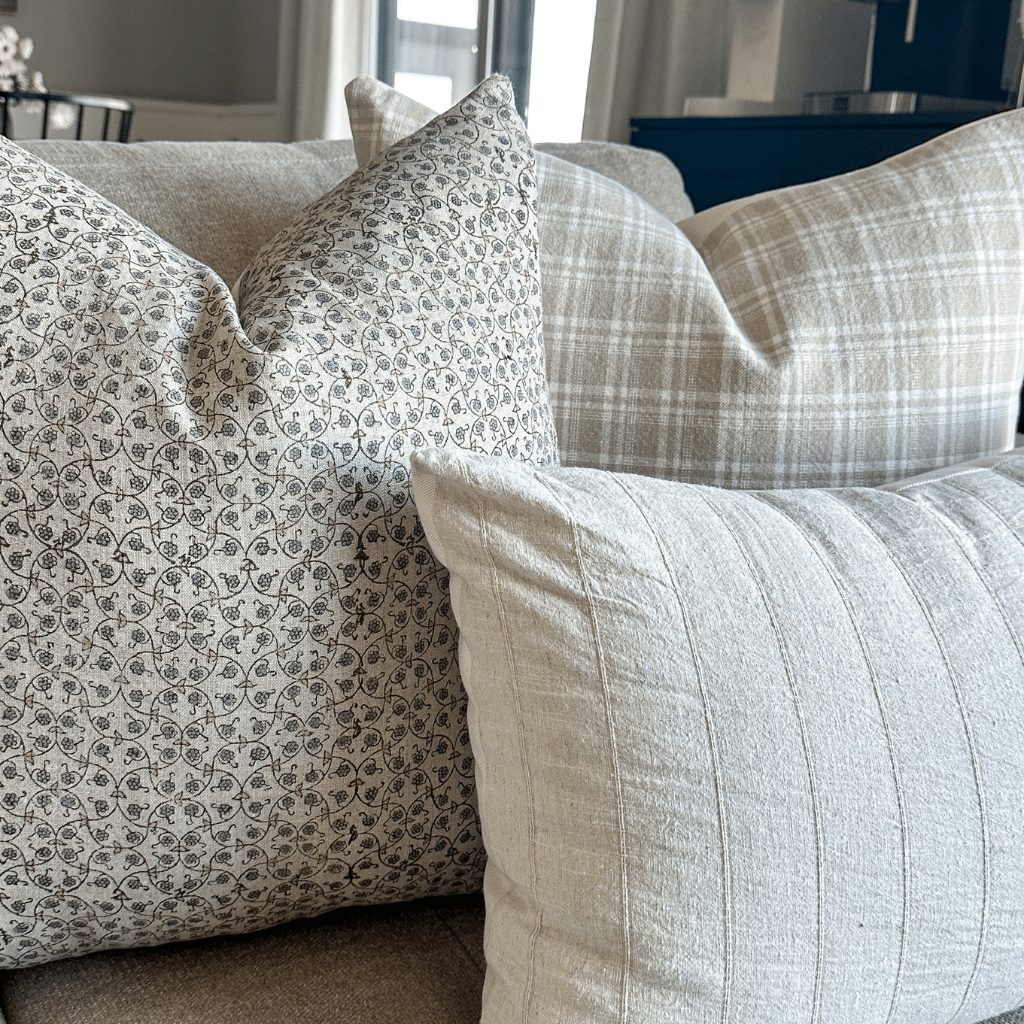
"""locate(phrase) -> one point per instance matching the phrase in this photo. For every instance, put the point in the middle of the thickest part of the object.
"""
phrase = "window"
(563, 34)
(437, 50)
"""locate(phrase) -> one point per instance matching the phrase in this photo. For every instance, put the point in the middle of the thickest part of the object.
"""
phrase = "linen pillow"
(845, 332)
(380, 116)
(648, 173)
(698, 226)
(228, 677)
(742, 756)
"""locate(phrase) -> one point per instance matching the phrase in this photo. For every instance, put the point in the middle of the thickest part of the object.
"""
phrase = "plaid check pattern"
(380, 116)
(847, 332)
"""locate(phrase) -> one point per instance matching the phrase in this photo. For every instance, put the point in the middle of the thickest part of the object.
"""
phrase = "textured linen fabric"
(742, 756)
(228, 687)
(845, 332)
(217, 201)
(419, 962)
(648, 173)
(698, 226)
(380, 116)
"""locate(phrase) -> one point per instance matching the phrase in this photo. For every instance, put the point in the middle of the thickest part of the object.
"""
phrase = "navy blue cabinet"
(724, 158)
(951, 48)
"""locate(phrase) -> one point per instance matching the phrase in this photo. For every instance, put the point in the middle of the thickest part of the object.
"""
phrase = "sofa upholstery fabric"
(419, 962)
(228, 678)
(742, 756)
(218, 202)
(846, 332)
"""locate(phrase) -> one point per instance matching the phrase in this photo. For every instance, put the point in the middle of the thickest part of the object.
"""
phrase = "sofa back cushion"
(217, 201)
(220, 201)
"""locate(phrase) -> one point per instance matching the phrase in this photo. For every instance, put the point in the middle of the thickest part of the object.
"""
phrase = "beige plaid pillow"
(380, 116)
(849, 331)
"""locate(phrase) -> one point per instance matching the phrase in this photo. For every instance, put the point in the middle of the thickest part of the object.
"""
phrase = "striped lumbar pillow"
(742, 756)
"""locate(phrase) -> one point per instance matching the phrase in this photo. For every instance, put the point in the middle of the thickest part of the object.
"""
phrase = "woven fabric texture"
(228, 687)
(217, 201)
(742, 756)
(419, 962)
(845, 332)
(648, 173)
(380, 116)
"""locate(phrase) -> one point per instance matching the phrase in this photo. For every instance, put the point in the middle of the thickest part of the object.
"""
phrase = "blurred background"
(275, 69)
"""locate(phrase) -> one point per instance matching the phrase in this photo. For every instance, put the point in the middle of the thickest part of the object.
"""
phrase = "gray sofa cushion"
(649, 174)
(220, 201)
(420, 962)
(217, 201)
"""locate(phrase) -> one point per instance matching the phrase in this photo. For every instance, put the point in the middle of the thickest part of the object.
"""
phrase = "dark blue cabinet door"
(723, 158)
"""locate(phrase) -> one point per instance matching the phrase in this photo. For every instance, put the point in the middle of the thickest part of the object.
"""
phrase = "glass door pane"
(429, 48)
(453, 13)
(436, 51)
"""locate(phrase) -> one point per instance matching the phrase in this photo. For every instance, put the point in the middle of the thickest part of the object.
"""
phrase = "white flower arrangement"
(15, 76)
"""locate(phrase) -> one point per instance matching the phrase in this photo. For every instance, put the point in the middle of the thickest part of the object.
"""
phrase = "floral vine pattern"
(228, 684)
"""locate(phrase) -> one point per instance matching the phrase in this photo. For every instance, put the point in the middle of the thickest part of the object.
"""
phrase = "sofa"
(917, 378)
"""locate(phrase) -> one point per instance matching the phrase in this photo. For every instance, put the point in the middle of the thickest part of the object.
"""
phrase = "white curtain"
(332, 50)
(648, 56)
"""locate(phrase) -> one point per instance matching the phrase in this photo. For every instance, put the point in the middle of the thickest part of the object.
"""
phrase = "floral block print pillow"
(227, 661)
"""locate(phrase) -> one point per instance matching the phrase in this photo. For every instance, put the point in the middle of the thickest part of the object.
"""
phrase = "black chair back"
(47, 102)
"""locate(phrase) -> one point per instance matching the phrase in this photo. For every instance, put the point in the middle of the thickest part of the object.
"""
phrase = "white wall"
(782, 49)
(332, 49)
(215, 51)
(825, 48)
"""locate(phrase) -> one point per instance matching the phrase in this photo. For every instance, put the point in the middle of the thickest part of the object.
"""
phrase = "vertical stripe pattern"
(790, 722)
